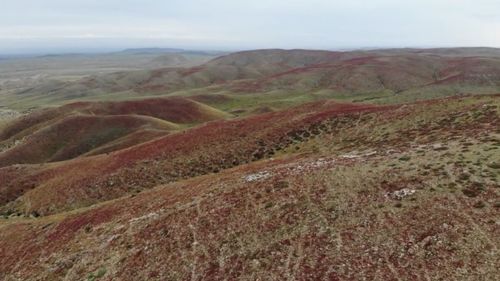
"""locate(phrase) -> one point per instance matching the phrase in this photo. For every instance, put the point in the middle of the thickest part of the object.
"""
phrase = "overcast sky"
(75, 25)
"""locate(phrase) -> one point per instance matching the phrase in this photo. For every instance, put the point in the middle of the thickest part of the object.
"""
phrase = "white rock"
(402, 193)
(257, 176)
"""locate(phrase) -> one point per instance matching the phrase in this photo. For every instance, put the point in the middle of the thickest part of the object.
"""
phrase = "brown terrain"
(239, 169)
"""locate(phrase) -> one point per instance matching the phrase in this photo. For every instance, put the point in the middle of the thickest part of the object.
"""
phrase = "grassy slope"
(76, 135)
(321, 191)
(66, 132)
(47, 73)
(325, 208)
(381, 75)
(204, 149)
(175, 110)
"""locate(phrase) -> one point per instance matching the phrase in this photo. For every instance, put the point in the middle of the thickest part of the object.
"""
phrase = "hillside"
(381, 76)
(76, 135)
(203, 149)
(69, 131)
(27, 81)
(323, 191)
(257, 165)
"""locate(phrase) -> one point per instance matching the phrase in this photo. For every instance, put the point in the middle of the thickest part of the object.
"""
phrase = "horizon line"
(98, 50)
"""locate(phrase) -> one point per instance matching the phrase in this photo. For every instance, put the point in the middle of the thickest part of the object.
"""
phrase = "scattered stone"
(257, 176)
(355, 154)
(152, 215)
(400, 194)
(439, 147)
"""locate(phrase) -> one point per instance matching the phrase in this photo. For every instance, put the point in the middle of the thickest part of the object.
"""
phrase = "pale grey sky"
(66, 25)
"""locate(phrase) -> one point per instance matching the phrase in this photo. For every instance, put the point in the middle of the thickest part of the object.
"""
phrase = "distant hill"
(382, 75)
(142, 51)
(152, 50)
(459, 52)
(42, 73)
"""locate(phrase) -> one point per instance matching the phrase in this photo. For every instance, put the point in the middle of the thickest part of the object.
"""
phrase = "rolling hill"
(69, 131)
(76, 135)
(19, 75)
(258, 165)
(349, 191)
(382, 76)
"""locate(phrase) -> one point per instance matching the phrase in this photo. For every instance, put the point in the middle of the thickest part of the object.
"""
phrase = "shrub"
(281, 184)
(463, 176)
(473, 190)
(404, 158)
(479, 205)
(96, 275)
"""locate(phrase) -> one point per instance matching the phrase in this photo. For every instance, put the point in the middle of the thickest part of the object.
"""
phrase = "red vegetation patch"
(191, 71)
(216, 146)
(13, 187)
(365, 73)
(78, 128)
(73, 136)
(222, 226)
(67, 228)
(298, 221)
(470, 70)
(25, 123)
(205, 149)
(176, 110)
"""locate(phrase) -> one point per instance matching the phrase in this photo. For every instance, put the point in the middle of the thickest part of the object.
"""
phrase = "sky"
(96, 25)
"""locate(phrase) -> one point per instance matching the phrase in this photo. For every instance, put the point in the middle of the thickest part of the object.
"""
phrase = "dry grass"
(408, 193)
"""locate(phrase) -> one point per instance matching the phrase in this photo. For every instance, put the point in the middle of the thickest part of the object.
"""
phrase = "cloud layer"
(235, 24)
